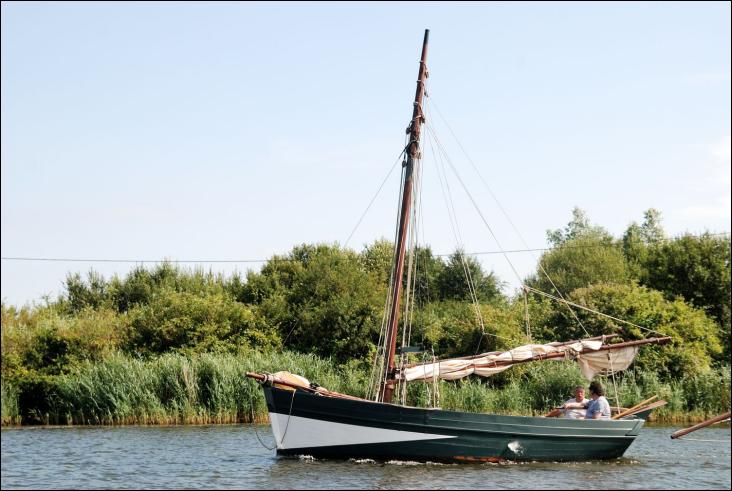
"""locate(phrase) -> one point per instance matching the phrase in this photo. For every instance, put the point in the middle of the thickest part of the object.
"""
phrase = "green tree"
(451, 328)
(578, 227)
(186, 322)
(651, 231)
(698, 270)
(579, 262)
(322, 300)
(583, 255)
(694, 334)
(377, 259)
(635, 250)
(461, 271)
(81, 294)
(638, 240)
(429, 270)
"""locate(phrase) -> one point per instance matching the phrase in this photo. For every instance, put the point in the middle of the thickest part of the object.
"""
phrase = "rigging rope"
(592, 310)
(287, 426)
(345, 244)
(475, 205)
(383, 350)
(505, 214)
(455, 227)
(289, 416)
(615, 385)
(526, 307)
(256, 433)
(411, 275)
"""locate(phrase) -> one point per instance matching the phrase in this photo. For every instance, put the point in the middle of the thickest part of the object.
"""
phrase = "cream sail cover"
(606, 362)
(591, 361)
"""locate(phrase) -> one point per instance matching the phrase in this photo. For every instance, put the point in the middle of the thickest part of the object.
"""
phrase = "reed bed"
(177, 389)
(208, 388)
(539, 388)
(9, 401)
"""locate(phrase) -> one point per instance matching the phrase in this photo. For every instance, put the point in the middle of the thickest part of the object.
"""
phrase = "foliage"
(582, 255)
(452, 328)
(430, 273)
(377, 260)
(694, 397)
(638, 239)
(183, 321)
(175, 341)
(695, 268)
(578, 227)
(549, 384)
(208, 388)
(174, 388)
(48, 340)
(89, 294)
(698, 270)
(580, 262)
(9, 402)
(463, 279)
(694, 335)
(322, 300)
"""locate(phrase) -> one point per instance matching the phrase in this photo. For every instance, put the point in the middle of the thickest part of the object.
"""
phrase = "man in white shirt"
(574, 408)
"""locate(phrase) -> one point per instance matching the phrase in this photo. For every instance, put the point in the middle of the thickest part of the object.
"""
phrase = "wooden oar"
(641, 404)
(648, 408)
(701, 425)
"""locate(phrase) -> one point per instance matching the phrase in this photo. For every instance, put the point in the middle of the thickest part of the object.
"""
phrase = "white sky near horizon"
(231, 131)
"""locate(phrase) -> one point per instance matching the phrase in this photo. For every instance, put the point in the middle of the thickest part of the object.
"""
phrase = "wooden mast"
(387, 386)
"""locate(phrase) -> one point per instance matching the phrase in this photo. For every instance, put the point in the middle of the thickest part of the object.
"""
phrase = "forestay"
(587, 353)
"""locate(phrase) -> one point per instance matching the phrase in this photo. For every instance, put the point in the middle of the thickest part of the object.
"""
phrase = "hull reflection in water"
(328, 427)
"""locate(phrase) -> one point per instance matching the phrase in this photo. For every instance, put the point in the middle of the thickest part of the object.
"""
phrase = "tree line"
(328, 301)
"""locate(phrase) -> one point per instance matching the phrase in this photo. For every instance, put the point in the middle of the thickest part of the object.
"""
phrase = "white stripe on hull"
(306, 432)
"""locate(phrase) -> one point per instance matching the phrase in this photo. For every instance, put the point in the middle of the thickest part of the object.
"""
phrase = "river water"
(231, 456)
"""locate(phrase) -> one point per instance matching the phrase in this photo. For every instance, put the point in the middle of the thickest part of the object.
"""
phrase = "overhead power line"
(234, 261)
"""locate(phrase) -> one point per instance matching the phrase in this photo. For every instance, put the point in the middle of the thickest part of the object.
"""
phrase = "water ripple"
(231, 457)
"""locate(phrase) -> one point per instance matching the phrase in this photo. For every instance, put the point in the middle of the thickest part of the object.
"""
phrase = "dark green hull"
(326, 427)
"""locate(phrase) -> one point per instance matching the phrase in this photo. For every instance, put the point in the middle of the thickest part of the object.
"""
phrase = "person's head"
(579, 392)
(596, 389)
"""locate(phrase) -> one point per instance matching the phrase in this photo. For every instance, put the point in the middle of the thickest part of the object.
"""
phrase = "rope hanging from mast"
(388, 385)
(388, 370)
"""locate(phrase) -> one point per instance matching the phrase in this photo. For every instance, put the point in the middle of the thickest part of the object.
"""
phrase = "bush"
(694, 335)
(185, 322)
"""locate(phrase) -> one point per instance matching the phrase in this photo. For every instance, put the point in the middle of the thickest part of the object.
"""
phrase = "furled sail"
(592, 356)
(606, 362)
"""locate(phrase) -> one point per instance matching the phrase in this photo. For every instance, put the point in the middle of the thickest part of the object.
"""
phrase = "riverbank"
(263, 420)
(175, 389)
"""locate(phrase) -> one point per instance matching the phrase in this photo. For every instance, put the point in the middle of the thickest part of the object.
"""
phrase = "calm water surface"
(232, 457)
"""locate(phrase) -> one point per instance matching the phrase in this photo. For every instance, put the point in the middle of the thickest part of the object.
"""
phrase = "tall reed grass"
(176, 389)
(539, 388)
(207, 388)
(9, 402)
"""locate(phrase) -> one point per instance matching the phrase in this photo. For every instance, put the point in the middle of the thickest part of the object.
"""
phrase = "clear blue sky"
(238, 130)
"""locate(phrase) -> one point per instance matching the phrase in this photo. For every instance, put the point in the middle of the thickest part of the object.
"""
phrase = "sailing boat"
(308, 419)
